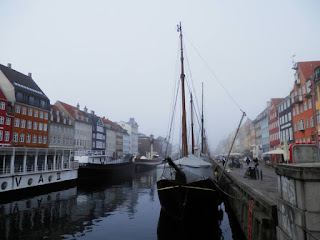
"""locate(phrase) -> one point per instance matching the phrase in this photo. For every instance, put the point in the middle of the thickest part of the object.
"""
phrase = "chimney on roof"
(9, 65)
(78, 106)
(92, 112)
(85, 109)
(30, 75)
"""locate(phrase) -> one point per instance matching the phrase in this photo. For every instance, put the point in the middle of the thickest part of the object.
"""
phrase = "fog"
(120, 58)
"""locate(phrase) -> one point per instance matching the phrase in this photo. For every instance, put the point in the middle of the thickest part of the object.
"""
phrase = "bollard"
(261, 174)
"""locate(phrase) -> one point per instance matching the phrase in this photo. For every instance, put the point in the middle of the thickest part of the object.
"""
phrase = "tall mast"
(202, 127)
(184, 119)
(192, 135)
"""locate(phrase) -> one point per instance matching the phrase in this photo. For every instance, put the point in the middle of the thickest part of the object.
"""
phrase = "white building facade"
(132, 129)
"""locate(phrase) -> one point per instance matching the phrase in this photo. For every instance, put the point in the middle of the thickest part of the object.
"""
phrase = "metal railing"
(4, 170)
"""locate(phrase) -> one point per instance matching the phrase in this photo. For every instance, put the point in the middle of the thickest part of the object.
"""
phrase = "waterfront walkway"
(267, 187)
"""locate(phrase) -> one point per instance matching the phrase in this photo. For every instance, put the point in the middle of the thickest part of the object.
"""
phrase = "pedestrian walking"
(248, 161)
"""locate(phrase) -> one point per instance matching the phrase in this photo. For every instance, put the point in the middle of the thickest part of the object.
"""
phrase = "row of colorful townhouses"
(27, 119)
(292, 119)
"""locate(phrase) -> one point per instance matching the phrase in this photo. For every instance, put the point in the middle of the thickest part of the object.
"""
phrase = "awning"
(235, 154)
(276, 151)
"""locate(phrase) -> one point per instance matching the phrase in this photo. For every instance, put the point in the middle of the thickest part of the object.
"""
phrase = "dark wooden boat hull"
(106, 170)
(181, 201)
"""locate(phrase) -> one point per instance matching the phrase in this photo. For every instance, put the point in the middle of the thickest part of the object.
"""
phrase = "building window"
(3, 106)
(310, 103)
(39, 139)
(46, 116)
(35, 113)
(35, 125)
(8, 121)
(23, 123)
(294, 112)
(15, 137)
(28, 139)
(307, 123)
(41, 115)
(297, 109)
(318, 118)
(30, 111)
(45, 127)
(7, 136)
(21, 138)
(311, 122)
(1, 135)
(301, 108)
(305, 106)
(16, 122)
(40, 126)
(34, 138)
(17, 108)
(44, 140)
(29, 126)
(24, 110)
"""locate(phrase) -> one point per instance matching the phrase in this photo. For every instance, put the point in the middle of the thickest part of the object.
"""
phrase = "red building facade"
(30, 108)
(6, 120)
(274, 130)
(303, 104)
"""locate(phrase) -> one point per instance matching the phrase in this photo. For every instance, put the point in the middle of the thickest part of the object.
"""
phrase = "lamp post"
(151, 146)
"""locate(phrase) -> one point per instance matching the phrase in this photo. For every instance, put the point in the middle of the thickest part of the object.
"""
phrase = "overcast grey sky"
(119, 58)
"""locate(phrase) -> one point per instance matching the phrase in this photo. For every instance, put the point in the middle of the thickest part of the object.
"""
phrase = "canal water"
(119, 209)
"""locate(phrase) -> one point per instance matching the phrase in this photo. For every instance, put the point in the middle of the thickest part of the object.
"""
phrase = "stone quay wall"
(298, 201)
(241, 197)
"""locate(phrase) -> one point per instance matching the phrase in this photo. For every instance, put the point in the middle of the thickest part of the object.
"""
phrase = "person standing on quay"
(248, 161)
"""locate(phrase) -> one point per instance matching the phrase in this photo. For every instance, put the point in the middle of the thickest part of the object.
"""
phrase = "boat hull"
(106, 170)
(144, 164)
(183, 201)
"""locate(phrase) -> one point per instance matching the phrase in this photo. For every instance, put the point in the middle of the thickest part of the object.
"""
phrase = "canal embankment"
(253, 201)
(283, 203)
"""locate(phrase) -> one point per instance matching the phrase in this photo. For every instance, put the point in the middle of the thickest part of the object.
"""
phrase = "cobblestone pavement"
(267, 187)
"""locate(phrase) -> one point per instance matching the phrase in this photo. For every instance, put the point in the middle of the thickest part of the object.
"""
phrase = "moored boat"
(100, 166)
(186, 185)
(24, 169)
(147, 164)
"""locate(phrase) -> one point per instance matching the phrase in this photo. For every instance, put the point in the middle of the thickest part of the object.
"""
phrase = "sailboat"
(185, 186)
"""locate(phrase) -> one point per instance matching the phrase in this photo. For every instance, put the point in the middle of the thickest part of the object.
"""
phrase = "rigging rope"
(173, 103)
(213, 74)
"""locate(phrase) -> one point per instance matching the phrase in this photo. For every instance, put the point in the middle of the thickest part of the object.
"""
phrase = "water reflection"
(118, 209)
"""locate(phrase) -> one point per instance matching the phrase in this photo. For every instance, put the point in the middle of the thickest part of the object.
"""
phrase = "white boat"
(28, 168)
